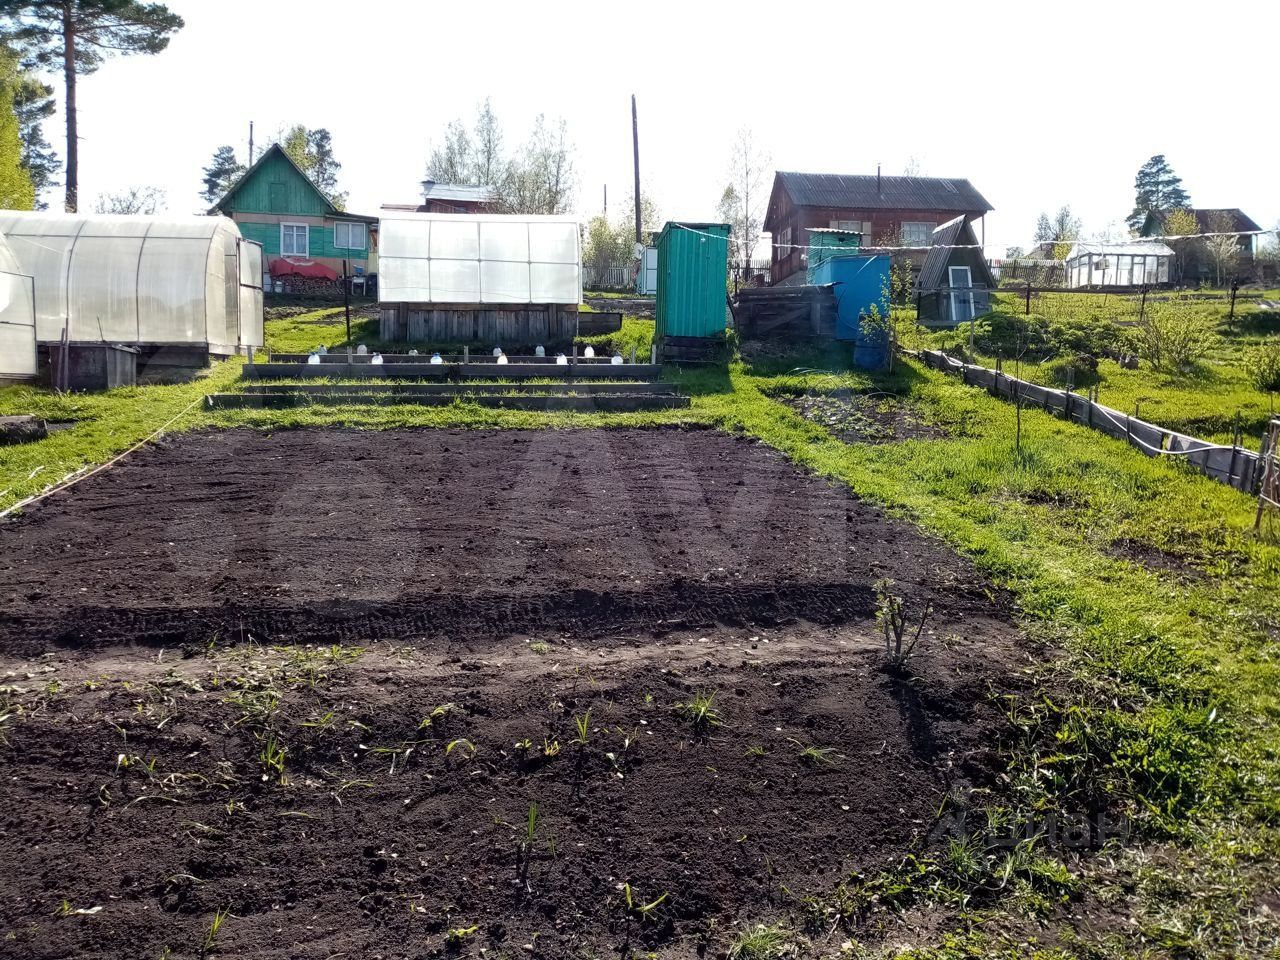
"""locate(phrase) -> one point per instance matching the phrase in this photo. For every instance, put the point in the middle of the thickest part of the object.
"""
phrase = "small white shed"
(1138, 264)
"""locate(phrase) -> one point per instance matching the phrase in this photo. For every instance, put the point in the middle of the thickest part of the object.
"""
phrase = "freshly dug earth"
(861, 418)
(319, 678)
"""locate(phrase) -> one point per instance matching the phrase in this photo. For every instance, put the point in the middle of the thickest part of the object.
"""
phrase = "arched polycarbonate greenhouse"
(146, 281)
(17, 319)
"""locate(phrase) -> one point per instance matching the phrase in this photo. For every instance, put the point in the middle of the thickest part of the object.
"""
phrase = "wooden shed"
(955, 282)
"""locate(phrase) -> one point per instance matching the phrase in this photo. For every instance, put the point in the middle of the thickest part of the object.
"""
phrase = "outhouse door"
(960, 281)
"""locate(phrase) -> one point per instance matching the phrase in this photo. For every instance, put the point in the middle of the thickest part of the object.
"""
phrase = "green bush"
(1075, 370)
(1262, 365)
(1175, 335)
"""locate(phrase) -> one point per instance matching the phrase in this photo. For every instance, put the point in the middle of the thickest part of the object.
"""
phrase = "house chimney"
(877, 179)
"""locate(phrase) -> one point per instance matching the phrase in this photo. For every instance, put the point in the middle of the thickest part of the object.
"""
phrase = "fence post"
(1028, 297)
(1231, 314)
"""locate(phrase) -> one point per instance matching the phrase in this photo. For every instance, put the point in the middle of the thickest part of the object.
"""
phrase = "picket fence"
(1232, 465)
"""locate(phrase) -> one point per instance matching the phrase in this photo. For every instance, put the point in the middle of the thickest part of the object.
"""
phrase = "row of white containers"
(131, 279)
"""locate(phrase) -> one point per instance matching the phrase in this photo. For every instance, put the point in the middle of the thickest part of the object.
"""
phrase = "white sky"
(1037, 104)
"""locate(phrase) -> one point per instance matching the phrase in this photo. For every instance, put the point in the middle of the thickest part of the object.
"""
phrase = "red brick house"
(889, 210)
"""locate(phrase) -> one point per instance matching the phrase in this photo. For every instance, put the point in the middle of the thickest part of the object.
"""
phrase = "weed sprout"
(701, 712)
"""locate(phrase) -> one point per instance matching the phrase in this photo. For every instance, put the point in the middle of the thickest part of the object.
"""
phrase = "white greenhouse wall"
(472, 259)
(134, 279)
(17, 319)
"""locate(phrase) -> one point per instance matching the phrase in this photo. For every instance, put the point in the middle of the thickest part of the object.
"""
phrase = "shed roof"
(948, 240)
(456, 191)
(858, 191)
(1205, 220)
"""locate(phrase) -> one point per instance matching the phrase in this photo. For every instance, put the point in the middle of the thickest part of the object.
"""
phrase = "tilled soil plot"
(318, 680)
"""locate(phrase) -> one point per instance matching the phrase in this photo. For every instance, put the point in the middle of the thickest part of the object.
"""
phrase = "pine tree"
(1158, 190)
(312, 151)
(33, 102)
(16, 190)
(221, 174)
(78, 35)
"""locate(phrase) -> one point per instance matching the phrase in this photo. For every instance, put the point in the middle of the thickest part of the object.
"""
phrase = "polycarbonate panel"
(554, 283)
(46, 259)
(107, 226)
(250, 264)
(251, 316)
(504, 282)
(403, 281)
(454, 281)
(17, 327)
(104, 288)
(504, 241)
(223, 308)
(553, 242)
(451, 240)
(171, 281)
(405, 238)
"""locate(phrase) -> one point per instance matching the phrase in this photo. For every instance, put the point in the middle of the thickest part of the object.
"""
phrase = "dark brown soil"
(860, 418)
(152, 630)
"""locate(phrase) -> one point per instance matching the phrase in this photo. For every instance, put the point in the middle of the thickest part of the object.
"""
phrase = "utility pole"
(606, 201)
(251, 143)
(635, 147)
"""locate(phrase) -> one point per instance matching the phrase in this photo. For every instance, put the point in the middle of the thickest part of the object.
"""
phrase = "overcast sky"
(1037, 104)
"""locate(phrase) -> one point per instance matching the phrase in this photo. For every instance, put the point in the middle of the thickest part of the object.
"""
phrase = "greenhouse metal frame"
(180, 281)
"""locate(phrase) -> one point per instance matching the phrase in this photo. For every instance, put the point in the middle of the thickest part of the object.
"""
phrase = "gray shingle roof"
(858, 191)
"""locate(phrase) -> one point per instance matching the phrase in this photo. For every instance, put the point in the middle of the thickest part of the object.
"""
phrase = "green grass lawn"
(1157, 693)
(1207, 401)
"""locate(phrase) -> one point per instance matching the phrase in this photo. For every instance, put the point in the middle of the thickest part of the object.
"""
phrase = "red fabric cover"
(297, 267)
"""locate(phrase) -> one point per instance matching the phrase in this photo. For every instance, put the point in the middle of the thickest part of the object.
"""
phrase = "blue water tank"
(861, 284)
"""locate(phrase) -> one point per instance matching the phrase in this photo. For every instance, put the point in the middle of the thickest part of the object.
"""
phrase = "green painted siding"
(692, 268)
(276, 186)
(319, 241)
(828, 245)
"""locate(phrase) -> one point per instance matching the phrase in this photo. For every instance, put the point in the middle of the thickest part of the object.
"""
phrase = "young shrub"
(1175, 335)
(1262, 364)
(892, 614)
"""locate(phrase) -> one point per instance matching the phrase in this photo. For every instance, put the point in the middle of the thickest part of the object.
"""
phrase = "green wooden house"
(303, 235)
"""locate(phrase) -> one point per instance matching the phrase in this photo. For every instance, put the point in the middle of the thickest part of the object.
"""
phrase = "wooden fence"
(1232, 465)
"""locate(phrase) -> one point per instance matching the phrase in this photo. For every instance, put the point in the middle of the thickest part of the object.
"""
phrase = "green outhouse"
(693, 264)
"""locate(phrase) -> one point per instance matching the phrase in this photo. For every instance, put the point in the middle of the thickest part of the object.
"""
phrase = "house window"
(852, 226)
(917, 234)
(348, 236)
(293, 240)
(783, 243)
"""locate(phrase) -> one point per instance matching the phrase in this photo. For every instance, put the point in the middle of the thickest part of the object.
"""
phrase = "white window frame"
(925, 241)
(784, 244)
(306, 240)
(348, 224)
(960, 293)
